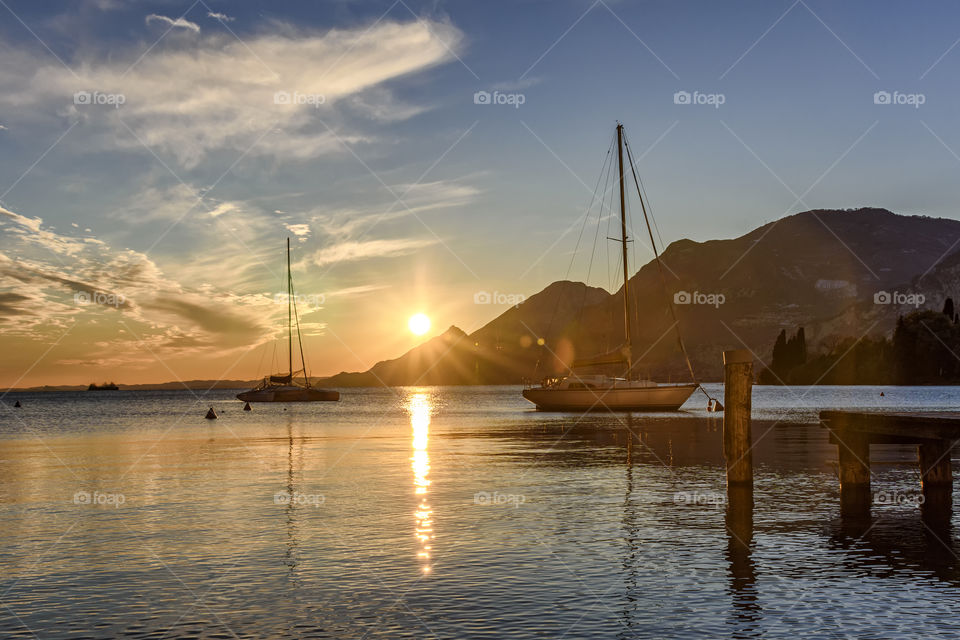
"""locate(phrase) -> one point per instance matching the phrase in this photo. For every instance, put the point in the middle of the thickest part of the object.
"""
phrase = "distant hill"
(154, 386)
(819, 269)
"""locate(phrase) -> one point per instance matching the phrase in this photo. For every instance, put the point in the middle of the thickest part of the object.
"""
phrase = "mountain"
(819, 269)
(503, 351)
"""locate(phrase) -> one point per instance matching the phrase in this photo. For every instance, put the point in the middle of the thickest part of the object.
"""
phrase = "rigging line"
(643, 188)
(608, 166)
(633, 251)
(663, 282)
(296, 315)
(586, 216)
(263, 354)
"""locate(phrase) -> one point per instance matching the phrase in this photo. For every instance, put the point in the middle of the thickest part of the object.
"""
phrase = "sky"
(155, 156)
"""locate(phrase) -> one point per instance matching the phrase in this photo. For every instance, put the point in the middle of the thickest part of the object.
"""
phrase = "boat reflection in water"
(419, 407)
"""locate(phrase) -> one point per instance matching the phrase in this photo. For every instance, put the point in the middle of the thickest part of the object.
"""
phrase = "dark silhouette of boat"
(283, 387)
(106, 386)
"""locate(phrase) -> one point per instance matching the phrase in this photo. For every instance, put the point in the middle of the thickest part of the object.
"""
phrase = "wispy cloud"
(266, 95)
(179, 23)
(220, 16)
(351, 251)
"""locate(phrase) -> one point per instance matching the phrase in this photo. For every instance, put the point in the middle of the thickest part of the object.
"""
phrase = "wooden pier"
(933, 433)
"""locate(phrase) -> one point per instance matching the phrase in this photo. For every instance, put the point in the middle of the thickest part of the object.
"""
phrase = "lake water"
(454, 513)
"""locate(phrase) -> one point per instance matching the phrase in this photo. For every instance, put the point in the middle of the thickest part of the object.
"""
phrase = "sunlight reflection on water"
(132, 515)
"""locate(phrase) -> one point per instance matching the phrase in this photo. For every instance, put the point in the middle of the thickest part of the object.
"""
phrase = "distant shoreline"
(241, 386)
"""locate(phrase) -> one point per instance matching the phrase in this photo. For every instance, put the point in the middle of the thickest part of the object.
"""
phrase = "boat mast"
(623, 245)
(289, 314)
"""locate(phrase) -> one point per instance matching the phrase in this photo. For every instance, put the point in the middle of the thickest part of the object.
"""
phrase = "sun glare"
(419, 324)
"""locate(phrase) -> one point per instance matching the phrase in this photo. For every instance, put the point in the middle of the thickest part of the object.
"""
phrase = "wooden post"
(854, 450)
(935, 468)
(737, 438)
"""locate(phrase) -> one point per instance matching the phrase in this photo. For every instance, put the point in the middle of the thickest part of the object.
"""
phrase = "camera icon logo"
(481, 497)
(81, 297)
(681, 97)
(81, 97)
(281, 97)
(481, 97)
(281, 497)
(881, 97)
(882, 297)
(81, 497)
(682, 297)
(482, 297)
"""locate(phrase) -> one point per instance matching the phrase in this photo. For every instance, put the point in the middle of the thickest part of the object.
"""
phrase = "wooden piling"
(935, 467)
(737, 438)
(854, 468)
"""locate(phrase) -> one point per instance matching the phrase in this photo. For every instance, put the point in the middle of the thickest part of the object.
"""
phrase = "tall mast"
(290, 313)
(623, 244)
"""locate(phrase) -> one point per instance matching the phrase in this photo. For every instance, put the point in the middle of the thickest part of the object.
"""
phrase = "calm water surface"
(454, 513)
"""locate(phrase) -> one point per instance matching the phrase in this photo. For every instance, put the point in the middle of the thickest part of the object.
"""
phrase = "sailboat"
(282, 387)
(585, 392)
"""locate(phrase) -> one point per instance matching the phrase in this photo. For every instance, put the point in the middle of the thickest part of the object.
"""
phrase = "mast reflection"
(419, 407)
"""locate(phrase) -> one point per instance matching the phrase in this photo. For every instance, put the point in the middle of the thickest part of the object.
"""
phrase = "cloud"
(179, 23)
(30, 230)
(87, 278)
(12, 304)
(192, 98)
(356, 291)
(300, 230)
(352, 250)
(220, 16)
(222, 208)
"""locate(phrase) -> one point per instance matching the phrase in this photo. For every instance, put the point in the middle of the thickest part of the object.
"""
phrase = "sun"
(418, 324)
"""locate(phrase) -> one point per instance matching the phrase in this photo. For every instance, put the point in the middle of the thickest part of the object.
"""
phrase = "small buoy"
(714, 405)
(246, 407)
(882, 394)
(17, 404)
(211, 415)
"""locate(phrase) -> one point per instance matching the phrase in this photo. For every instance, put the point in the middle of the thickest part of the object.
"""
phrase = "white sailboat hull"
(653, 398)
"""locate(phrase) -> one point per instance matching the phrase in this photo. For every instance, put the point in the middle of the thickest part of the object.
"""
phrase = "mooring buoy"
(882, 394)
(211, 414)
(246, 407)
(16, 404)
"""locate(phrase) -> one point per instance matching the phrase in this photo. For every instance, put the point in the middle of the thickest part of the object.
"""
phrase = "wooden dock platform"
(934, 433)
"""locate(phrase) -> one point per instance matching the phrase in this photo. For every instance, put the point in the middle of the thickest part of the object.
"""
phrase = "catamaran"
(283, 387)
(585, 392)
